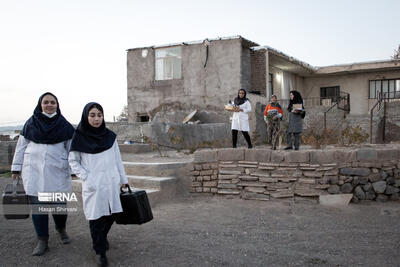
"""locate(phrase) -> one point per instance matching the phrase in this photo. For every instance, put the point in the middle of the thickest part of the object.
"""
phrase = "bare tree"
(396, 55)
(124, 114)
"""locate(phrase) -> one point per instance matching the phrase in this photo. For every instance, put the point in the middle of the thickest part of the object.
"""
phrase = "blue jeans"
(41, 221)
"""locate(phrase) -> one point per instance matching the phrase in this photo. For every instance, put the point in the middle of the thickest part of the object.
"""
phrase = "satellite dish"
(189, 117)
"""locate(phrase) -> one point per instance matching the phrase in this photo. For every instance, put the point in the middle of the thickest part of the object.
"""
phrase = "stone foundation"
(369, 173)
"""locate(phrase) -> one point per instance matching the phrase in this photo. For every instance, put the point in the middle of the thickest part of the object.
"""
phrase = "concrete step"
(159, 169)
(156, 182)
(154, 195)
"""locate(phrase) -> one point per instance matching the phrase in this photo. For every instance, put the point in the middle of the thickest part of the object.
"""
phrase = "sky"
(76, 49)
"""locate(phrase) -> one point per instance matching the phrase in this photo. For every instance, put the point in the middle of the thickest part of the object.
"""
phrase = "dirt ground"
(216, 231)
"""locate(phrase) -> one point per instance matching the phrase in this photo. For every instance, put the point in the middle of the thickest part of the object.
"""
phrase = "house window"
(332, 92)
(169, 63)
(271, 83)
(389, 88)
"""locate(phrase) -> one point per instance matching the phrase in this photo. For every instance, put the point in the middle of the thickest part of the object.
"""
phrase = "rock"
(355, 200)
(379, 187)
(375, 177)
(355, 171)
(362, 180)
(348, 179)
(359, 193)
(334, 189)
(333, 180)
(282, 194)
(356, 181)
(391, 190)
(367, 187)
(335, 200)
(384, 175)
(370, 195)
(390, 180)
(382, 198)
(346, 188)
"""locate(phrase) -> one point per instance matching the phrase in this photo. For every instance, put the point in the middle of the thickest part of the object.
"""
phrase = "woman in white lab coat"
(95, 158)
(240, 118)
(41, 159)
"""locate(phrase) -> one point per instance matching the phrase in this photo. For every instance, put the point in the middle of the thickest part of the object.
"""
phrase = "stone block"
(313, 174)
(205, 156)
(307, 192)
(277, 156)
(287, 179)
(206, 189)
(322, 186)
(379, 187)
(195, 173)
(207, 172)
(228, 192)
(382, 198)
(345, 155)
(196, 184)
(254, 189)
(387, 154)
(248, 178)
(257, 155)
(322, 156)
(334, 189)
(367, 155)
(230, 172)
(214, 190)
(346, 188)
(255, 196)
(282, 194)
(199, 189)
(359, 193)
(260, 174)
(230, 154)
(252, 184)
(355, 171)
(335, 200)
(206, 178)
(268, 180)
(227, 186)
(227, 177)
(306, 181)
(301, 156)
(391, 190)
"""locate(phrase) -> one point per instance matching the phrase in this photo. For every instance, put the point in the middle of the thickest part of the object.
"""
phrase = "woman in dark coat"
(296, 115)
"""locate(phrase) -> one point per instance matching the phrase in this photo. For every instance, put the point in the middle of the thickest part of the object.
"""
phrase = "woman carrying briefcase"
(95, 158)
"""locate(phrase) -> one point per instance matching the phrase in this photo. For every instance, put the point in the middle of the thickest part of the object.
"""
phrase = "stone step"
(154, 195)
(159, 169)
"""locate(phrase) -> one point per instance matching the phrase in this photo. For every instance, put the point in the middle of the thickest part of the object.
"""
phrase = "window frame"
(169, 59)
(333, 98)
(396, 90)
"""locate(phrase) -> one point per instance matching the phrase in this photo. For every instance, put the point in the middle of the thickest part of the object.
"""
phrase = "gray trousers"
(296, 140)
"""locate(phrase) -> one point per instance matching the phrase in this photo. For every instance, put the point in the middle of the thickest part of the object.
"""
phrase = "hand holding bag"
(15, 201)
(136, 208)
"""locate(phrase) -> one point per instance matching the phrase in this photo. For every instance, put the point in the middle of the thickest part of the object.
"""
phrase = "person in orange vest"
(272, 116)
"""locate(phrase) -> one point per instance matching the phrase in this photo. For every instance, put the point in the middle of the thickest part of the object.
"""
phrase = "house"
(205, 74)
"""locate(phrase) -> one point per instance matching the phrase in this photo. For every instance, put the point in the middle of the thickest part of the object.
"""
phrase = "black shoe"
(102, 260)
(274, 148)
(288, 148)
(296, 148)
(40, 248)
(250, 147)
(64, 236)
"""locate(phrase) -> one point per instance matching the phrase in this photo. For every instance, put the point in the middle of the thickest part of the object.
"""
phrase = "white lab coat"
(44, 167)
(102, 174)
(240, 120)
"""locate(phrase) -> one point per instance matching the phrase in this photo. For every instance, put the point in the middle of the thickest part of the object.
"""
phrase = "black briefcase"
(15, 201)
(136, 208)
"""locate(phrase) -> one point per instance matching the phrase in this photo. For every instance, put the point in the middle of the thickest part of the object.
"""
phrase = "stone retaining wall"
(371, 173)
(7, 149)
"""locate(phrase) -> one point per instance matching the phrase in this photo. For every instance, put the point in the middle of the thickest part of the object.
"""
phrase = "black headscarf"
(44, 130)
(297, 99)
(239, 101)
(89, 139)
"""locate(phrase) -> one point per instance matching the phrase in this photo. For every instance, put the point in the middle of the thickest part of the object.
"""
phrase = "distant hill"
(10, 128)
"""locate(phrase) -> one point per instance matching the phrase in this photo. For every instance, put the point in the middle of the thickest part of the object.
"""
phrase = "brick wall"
(258, 72)
(263, 174)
